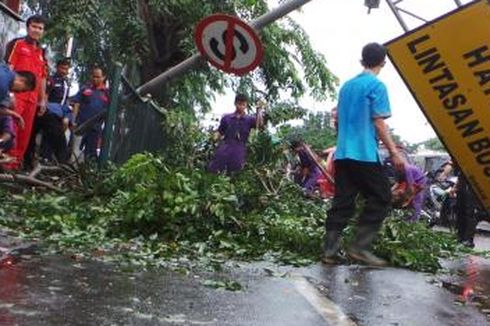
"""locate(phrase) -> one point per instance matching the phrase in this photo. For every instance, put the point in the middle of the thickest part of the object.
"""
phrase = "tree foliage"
(150, 211)
(167, 205)
(151, 36)
(434, 144)
(316, 130)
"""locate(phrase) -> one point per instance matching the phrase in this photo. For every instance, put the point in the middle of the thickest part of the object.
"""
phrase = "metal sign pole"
(397, 12)
(277, 13)
(399, 17)
(259, 23)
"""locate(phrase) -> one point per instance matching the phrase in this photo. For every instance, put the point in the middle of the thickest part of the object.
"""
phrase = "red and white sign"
(229, 43)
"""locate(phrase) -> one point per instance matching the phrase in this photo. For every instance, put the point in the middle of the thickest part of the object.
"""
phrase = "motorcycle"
(439, 204)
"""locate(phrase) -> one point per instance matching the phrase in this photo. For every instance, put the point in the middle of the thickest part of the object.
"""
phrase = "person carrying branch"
(309, 172)
(234, 130)
(362, 108)
(408, 191)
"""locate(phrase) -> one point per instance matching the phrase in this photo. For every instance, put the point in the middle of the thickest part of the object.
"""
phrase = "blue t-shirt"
(361, 99)
(6, 79)
(61, 111)
(92, 101)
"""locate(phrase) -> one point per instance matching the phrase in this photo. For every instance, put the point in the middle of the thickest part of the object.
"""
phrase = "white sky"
(340, 28)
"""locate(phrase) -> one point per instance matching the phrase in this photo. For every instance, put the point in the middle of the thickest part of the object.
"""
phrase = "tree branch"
(14, 178)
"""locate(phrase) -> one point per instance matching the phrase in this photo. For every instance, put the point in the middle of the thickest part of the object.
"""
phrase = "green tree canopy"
(316, 131)
(150, 36)
(434, 144)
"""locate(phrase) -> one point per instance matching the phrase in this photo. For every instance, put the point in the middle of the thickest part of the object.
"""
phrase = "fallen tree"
(151, 213)
(52, 177)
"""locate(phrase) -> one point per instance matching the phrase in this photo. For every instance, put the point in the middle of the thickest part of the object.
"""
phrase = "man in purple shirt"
(310, 172)
(411, 191)
(234, 129)
(416, 178)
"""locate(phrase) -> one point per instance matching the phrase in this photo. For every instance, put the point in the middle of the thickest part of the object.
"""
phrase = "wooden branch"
(269, 180)
(14, 178)
(279, 187)
(316, 160)
(40, 168)
(35, 171)
(262, 182)
(32, 179)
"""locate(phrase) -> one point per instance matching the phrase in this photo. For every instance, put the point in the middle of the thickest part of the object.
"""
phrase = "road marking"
(325, 307)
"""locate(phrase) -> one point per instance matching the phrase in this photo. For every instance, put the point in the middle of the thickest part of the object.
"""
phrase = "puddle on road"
(471, 283)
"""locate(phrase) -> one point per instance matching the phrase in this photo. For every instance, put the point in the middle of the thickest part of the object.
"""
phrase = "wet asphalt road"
(56, 290)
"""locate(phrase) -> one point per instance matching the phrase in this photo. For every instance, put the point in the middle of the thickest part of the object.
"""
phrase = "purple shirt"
(415, 176)
(236, 128)
(305, 160)
(314, 171)
(231, 154)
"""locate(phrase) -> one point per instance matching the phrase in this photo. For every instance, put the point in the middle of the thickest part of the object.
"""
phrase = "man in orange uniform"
(26, 54)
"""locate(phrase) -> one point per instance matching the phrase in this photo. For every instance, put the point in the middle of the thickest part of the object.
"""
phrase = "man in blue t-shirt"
(91, 100)
(362, 107)
(53, 123)
(14, 81)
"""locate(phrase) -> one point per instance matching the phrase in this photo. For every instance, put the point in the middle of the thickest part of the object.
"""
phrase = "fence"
(137, 127)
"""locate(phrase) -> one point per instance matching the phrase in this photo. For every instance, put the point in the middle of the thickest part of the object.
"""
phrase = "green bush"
(151, 209)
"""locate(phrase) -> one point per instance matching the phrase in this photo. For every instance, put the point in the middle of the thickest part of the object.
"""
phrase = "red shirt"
(26, 54)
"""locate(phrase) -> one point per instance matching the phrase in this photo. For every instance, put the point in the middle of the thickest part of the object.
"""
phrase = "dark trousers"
(467, 208)
(90, 141)
(53, 138)
(351, 179)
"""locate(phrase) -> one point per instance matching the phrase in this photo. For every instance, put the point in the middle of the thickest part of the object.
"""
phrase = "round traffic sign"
(229, 43)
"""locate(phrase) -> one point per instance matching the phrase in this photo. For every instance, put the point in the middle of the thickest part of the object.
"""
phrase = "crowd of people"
(356, 165)
(37, 121)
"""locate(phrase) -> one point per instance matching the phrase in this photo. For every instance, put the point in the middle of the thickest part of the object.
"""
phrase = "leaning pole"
(258, 24)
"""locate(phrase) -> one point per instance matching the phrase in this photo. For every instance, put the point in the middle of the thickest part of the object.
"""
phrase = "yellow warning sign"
(446, 65)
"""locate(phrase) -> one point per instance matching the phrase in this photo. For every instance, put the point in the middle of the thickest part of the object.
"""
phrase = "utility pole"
(400, 12)
(258, 24)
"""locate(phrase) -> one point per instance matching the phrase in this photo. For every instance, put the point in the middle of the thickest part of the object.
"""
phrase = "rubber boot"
(359, 251)
(331, 247)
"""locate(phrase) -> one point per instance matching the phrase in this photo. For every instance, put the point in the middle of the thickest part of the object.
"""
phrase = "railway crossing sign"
(229, 43)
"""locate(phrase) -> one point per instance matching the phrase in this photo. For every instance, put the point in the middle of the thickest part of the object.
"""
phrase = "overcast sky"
(340, 28)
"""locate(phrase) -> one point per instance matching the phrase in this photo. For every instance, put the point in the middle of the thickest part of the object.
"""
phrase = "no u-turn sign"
(229, 44)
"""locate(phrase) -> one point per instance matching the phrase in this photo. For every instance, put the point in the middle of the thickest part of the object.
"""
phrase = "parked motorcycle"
(439, 205)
